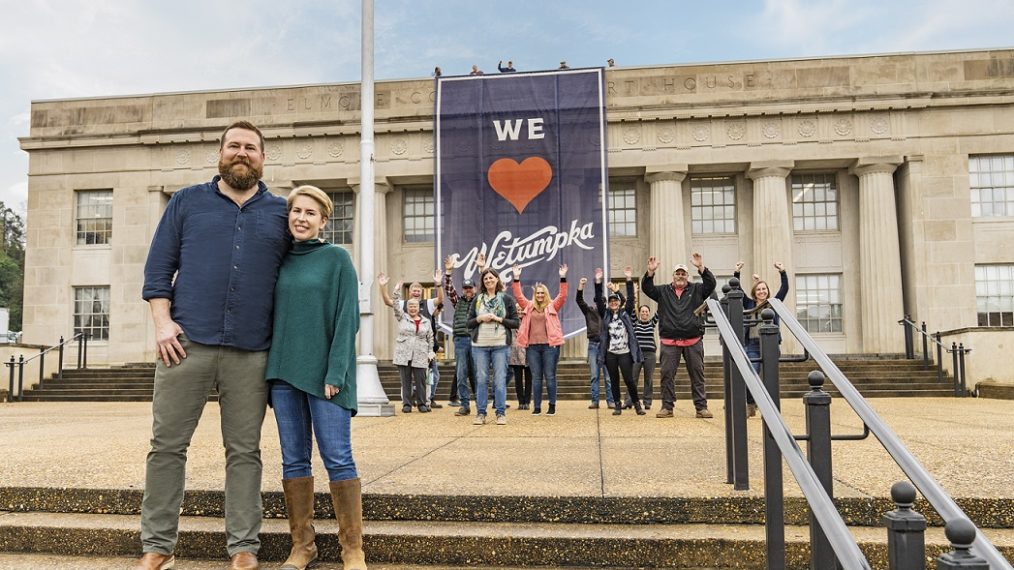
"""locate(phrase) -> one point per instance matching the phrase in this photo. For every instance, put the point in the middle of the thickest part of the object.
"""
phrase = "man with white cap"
(681, 332)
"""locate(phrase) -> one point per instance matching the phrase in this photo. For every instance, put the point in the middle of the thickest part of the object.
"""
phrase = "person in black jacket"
(619, 345)
(593, 324)
(681, 332)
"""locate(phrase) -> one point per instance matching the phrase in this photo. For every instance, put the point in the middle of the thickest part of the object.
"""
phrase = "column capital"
(380, 185)
(673, 172)
(770, 168)
(875, 164)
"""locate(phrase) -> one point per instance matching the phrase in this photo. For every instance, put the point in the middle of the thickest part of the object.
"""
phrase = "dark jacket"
(676, 319)
(460, 304)
(592, 320)
(624, 315)
(510, 321)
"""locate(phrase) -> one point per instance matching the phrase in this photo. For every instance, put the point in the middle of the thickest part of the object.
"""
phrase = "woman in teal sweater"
(312, 371)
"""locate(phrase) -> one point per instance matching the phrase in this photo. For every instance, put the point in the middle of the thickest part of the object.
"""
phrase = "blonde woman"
(541, 334)
(312, 373)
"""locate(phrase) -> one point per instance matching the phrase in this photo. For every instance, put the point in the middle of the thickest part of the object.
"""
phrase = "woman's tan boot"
(347, 497)
(299, 507)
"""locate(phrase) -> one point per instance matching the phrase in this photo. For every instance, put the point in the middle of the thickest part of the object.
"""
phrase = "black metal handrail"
(944, 505)
(957, 352)
(826, 514)
(82, 363)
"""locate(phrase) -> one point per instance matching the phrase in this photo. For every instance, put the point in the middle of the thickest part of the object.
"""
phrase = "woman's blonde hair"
(318, 195)
(540, 305)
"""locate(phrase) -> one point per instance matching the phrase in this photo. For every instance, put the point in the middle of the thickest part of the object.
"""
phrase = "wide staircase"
(874, 376)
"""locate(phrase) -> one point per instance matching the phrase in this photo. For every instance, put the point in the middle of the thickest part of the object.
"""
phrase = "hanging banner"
(521, 178)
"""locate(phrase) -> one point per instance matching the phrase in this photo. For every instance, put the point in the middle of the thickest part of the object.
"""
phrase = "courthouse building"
(884, 183)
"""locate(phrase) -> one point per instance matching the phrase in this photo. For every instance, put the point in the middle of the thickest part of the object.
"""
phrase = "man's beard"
(239, 178)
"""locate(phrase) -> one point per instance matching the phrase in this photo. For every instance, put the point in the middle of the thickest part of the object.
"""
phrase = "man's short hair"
(318, 195)
(245, 125)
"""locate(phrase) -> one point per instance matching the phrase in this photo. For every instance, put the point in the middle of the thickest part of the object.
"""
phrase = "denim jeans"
(435, 371)
(483, 357)
(648, 366)
(464, 368)
(301, 417)
(542, 359)
(597, 371)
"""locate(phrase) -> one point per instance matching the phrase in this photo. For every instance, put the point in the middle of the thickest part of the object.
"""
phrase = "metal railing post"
(10, 387)
(741, 466)
(774, 490)
(906, 531)
(818, 450)
(59, 370)
(42, 365)
(727, 366)
(961, 533)
(909, 341)
(955, 373)
(80, 342)
(940, 358)
(21, 378)
(961, 368)
(925, 345)
(84, 366)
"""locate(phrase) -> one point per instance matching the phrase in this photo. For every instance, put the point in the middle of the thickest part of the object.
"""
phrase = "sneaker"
(637, 407)
(664, 413)
(552, 410)
(617, 410)
(537, 412)
(479, 420)
(704, 413)
(501, 420)
(423, 410)
(751, 410)
(462, 411)
(406, 409)
(593, 406)
(434, 405)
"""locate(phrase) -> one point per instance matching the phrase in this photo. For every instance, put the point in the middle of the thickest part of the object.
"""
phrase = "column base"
(371, 399)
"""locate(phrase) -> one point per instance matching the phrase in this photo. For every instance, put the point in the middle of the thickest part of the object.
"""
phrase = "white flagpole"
(370, 393)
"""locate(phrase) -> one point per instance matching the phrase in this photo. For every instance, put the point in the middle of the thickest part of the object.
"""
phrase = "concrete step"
(468, 544)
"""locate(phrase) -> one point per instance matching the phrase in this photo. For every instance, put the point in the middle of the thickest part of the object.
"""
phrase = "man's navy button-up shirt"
(225, 260)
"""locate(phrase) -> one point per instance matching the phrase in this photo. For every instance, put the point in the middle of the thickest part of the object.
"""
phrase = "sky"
(59, 49)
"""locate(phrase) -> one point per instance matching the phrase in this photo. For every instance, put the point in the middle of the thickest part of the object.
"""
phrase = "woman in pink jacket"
(541, 335)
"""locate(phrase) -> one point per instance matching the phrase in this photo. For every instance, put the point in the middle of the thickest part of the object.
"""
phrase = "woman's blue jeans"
(542, 359)
(300, 417)
(483, 357)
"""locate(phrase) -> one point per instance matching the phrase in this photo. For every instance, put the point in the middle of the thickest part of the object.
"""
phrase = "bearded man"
(680, 331)
(223, 241)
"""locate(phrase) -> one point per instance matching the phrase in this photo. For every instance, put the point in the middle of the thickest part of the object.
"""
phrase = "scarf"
(494, 304)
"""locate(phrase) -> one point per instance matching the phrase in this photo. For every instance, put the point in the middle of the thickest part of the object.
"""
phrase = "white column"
(667, 236)
(772, 232)
(374, 327)
(879, 255)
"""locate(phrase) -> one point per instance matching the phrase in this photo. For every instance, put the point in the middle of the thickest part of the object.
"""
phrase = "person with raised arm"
(681, 331)
(758, 297)
(464, 368)
(413, 347)
(593, 325)
(541, 334)
(619, 345)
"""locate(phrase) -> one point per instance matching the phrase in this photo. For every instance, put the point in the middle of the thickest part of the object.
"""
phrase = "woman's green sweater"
(316, 320)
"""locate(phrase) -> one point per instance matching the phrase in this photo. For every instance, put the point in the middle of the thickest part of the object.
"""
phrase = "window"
(94, 217)
(339, 226)
(623, 210)
(419, 215)
(818, 303)
(713, 205)
(814, 202)
(994, 295)
(91, 312)
(991, 179)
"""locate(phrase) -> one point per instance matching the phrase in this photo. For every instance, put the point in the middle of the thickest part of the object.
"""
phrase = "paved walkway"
(967, 444)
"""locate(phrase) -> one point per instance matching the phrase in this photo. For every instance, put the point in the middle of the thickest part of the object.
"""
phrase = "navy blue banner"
(521, 178)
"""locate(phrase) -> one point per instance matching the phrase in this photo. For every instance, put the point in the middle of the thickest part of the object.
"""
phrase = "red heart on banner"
(519, 184)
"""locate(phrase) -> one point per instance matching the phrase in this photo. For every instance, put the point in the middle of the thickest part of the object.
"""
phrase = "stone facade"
(893, 133)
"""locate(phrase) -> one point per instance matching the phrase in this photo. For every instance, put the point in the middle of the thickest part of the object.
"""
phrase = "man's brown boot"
(156, 561)
(244, 561)
(664, 413)
(347, 497)
(299, 508)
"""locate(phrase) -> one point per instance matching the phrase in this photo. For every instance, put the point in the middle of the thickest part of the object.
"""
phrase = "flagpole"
(372, 401)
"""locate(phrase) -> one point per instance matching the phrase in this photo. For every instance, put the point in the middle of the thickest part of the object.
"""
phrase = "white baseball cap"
(680, 266)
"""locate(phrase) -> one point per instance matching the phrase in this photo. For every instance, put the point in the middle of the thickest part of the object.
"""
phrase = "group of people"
(247, 299)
